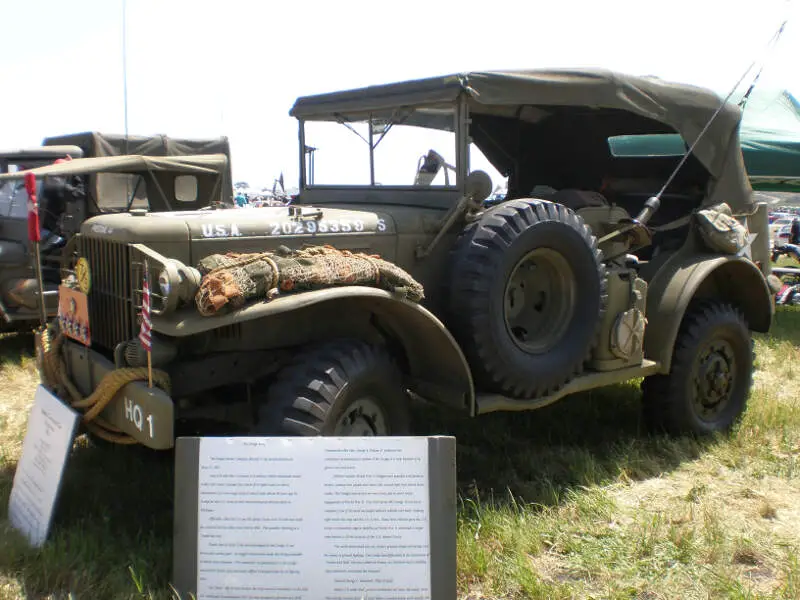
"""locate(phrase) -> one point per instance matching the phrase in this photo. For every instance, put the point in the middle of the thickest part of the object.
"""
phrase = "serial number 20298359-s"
(288, 228)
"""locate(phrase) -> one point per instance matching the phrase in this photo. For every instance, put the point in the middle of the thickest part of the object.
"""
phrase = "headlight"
(164, 283)
(178, 284)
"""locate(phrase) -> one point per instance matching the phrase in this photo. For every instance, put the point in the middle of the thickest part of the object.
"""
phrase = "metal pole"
(301, 135)
(129, 184)
(40, 283)
(125, 71)
(35, 236)
(371, 154)
(462, 124)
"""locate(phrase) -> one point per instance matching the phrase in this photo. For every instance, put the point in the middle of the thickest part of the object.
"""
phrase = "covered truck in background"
(65, 202)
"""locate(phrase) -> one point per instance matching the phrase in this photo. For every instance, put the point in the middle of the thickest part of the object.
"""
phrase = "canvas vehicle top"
(28, 158)
(389, 274)
(110, 192)
(513, 113)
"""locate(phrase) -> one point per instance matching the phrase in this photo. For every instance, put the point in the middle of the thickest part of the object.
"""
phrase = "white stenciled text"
(135, 414)
(221, 230)
(295, 227)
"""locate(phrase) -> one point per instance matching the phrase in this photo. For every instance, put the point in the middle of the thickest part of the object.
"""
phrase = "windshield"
(14, 198)
(119, 192)
(403, 147)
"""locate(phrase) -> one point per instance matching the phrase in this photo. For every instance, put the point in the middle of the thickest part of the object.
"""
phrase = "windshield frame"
(459, 130)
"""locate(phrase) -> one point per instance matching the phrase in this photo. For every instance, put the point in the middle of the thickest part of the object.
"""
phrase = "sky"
(199, 68)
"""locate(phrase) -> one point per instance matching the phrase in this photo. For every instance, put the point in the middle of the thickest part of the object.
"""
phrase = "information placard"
(315, 518)
(37, 480)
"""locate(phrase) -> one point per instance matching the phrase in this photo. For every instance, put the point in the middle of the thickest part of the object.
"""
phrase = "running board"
(487, 403)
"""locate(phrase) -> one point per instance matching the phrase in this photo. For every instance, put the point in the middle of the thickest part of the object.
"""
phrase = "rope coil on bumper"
(56, 377)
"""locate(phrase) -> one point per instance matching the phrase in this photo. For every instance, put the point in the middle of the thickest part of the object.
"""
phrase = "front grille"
(112, 297)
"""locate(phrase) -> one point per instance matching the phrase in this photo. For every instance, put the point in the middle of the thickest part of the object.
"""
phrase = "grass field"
(572, 501)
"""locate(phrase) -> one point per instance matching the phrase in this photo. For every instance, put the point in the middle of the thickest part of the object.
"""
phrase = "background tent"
(769, 137)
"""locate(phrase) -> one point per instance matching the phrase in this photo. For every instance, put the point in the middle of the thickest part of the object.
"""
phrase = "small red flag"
(144, 333)
(34, 234)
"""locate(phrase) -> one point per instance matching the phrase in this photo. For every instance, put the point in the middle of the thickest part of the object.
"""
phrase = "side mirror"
(477, 187)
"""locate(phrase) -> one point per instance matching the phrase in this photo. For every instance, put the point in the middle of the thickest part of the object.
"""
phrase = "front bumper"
(146, 414)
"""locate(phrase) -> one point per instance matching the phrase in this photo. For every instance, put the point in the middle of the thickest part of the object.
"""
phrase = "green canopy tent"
(769, 138)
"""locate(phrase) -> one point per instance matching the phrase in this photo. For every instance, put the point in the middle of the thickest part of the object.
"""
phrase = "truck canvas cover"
(108, 191)
(645, 104)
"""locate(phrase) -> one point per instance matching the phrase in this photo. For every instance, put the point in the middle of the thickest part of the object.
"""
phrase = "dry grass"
(19, 378)
(19, 375)
(652, 517)
(572, 501)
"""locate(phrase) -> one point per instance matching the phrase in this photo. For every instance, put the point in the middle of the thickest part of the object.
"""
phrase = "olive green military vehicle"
(16, 268)
(65, 202)
(587, 274)
(20, 159)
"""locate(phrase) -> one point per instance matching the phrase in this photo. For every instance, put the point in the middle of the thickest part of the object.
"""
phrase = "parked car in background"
(778, 226)
(495, 198)
(782, 235)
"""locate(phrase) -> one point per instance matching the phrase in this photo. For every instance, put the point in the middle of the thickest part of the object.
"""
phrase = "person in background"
(241, 199)
(792, 247)
(56, 193)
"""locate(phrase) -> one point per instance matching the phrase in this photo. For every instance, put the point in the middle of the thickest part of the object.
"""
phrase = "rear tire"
(706, 390)
(527, 294)
(341, 388)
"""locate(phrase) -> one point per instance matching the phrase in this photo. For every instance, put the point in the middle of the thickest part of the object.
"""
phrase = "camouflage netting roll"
(231, 280)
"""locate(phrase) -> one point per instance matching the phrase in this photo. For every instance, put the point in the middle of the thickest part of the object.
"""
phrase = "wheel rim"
(539, 300)
(364, 417)
(713, 380)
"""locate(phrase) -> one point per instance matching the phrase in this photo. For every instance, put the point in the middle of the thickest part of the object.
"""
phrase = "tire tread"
(662, 394)
(307, 389)
(478, 253)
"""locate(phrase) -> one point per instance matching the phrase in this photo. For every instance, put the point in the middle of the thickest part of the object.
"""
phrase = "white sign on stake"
(322, 518)
(37, 480)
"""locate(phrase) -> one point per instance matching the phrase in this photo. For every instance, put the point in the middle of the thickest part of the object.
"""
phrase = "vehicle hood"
(233, 223)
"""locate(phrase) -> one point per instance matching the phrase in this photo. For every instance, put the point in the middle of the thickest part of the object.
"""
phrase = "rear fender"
(437, 369)
(686, 277)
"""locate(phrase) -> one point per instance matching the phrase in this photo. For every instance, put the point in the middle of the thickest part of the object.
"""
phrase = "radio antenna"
(770, 48)
(125, 71)
(654, 202)
(645, 214)
(771, 43)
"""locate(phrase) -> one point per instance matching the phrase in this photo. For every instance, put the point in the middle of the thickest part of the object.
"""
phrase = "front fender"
(437, 367)
(685, 277)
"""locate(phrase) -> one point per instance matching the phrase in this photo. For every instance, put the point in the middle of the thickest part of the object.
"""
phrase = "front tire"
(706, 390)
(341, 388)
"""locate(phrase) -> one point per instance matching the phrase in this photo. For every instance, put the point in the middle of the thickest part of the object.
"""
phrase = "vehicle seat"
(577, 199)
(572, 198)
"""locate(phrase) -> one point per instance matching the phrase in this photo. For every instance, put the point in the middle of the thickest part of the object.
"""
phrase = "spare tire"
(527, 293)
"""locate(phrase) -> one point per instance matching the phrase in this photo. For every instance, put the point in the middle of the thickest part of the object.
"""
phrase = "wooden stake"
(149, 369)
